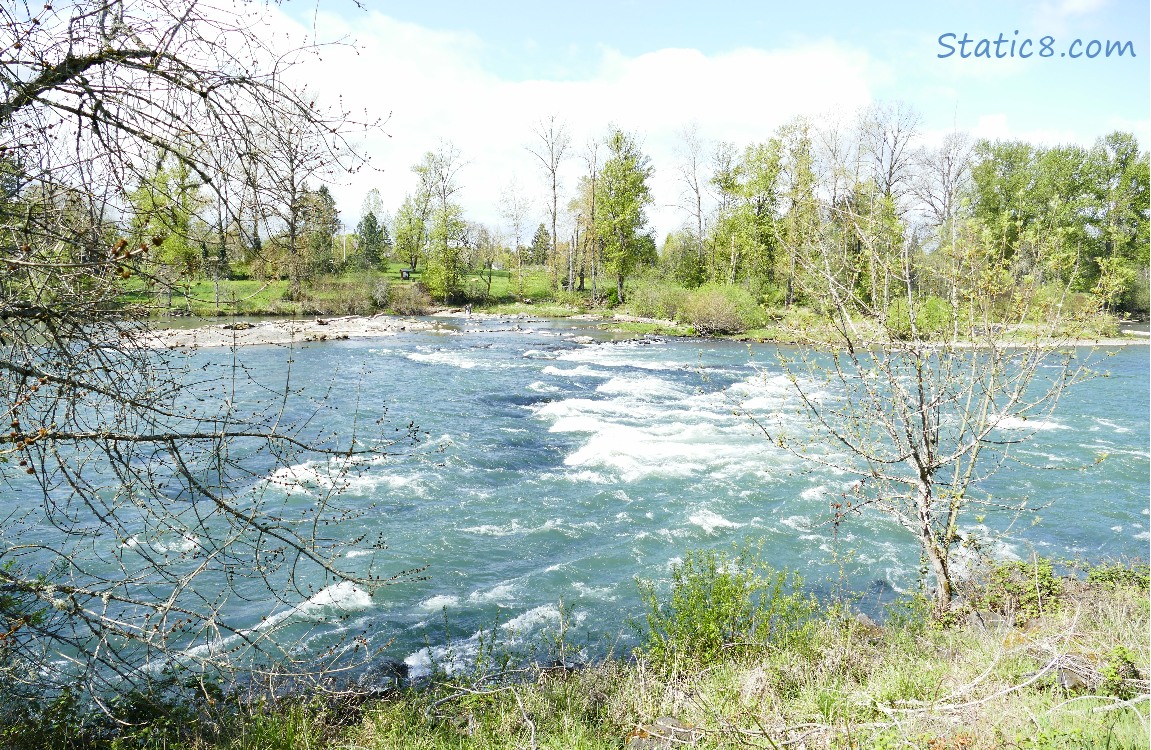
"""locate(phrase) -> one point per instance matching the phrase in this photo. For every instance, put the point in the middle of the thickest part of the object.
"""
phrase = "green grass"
(649, 329)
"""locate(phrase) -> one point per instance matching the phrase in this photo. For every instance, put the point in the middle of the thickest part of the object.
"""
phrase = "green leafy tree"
(412, 228)
(165, 208)
(622, 195)
(799, 226)
(541, 246)
(321, 223)
(438, 173)
(373, 240)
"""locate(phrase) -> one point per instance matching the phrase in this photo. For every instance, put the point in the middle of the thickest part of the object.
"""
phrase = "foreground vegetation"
(732, 655)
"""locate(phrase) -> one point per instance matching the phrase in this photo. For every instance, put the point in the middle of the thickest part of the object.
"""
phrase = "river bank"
(286, 331)
(1051, 663)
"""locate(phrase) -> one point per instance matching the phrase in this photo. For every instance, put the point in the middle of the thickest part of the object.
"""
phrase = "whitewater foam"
(711, 521)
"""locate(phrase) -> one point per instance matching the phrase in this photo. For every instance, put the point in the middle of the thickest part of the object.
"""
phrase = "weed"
(721, 604)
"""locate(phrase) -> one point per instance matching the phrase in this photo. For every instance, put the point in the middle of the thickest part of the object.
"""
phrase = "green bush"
(933, 316)
(1119, 575)
(408, 299)
(650, 298)
(721, 309)
(1120, 675)
(719, 604)
(1023, 590)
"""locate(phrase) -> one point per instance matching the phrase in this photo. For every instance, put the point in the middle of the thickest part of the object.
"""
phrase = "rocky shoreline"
(296, 331)
(284, 332)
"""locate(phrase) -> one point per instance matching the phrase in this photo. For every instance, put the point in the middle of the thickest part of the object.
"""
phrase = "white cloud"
(1065, 8)
(436, 87)
(996, 127)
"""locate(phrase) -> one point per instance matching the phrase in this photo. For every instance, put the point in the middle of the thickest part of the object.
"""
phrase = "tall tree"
(412, 227)
(542, 244)
(167, 205)
(373, 237)
(552, 141)
(321, 223)
(694, 178)
(800, 225)
(622, 196)
(290, 156)
(514, 209)
(439, 172)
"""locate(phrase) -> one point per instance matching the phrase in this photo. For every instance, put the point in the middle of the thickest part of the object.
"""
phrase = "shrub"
(381, 293)
(932, 316)
(653, 299)
(721, 603)
(719, 309)
(407, 299)
(1119, 575)
(1020, 589)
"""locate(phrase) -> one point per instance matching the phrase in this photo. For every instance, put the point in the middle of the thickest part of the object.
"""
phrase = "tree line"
(753, 215)
(756, 215)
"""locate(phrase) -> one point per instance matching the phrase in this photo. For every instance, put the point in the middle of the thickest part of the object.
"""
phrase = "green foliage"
(1062, 210)
(622, 195)
(165, 206)
(933, 316)
(541, 247)
(682, 259)
(374, 241)
(650, 297)
(166, 713)
(1023, 590)
(1119, 575)
(721, 309)
(1120, 674)
(408, 299)
(321, 221)
(412, 229)
(719, 605)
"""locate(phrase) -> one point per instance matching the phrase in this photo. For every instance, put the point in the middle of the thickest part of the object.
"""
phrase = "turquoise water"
(557, 471)
(554, 470)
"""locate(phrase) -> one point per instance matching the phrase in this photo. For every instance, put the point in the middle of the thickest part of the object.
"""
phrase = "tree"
(622, 194)
(114, 445)
(286, 155)
(321, 223)
(920, 400)
(438, 172)
(412, 227)
(374, 241)
(693, 178)
(168, 205)
(550, 150)
(514, 210)
(541, 247)
(799, 227)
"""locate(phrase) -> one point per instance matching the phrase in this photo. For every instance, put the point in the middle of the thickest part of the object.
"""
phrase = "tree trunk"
(936, 556)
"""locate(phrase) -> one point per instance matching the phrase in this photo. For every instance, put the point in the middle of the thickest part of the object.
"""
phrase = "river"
(559, 463)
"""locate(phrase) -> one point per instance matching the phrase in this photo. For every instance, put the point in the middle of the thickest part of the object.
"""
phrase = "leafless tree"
(550, 148)
(514, 209)
(694, 179)
(942, 177)
(145, 493)
(918, 402)
(887, 134)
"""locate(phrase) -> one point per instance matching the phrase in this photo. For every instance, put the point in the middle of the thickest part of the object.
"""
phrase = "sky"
(481, 76)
